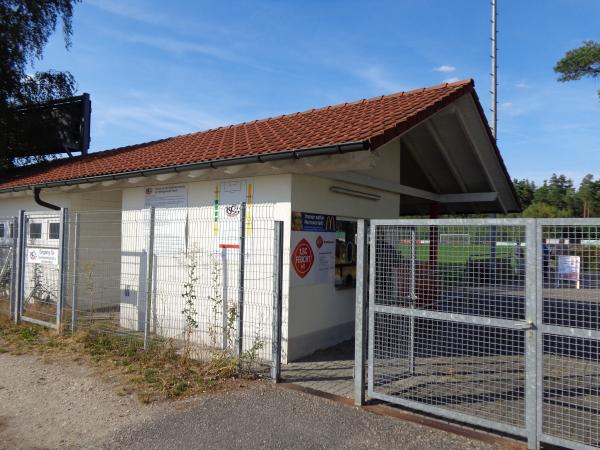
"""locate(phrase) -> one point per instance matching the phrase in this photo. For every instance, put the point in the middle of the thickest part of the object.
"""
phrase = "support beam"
(445, 154)
(396, 188)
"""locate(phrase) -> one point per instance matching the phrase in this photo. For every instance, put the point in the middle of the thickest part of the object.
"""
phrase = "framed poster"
(312, 249)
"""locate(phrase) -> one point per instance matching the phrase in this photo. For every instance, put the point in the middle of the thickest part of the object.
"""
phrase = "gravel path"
(62, 404)
(66, 405)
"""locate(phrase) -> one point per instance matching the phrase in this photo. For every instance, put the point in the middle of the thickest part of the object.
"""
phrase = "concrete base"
(307, 344)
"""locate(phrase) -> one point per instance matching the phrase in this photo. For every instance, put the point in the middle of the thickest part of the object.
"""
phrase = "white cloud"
(521, 85)
(155, 120)
(451, 80)
(445, 68)
(176, 46)
(378, 77)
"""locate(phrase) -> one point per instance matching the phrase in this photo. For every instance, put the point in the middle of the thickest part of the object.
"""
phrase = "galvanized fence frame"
(531, 324)
(8, 263)
(255, 273)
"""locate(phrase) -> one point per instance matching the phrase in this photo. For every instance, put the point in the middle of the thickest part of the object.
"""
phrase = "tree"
(580, 62)
(558, 192)
(525, 191)
(589, 196)
(25, 29)
(544, 210)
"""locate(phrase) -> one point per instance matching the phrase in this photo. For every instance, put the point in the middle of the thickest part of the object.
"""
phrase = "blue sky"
(156, 69)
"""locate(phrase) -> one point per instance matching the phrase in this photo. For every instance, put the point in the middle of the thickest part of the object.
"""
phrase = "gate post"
(63, 245)
(277, 303)
(533, 348)
(362, 305)
(14, 272)
(149, 281)
(20, 266)
(240, 312)
(75, 286)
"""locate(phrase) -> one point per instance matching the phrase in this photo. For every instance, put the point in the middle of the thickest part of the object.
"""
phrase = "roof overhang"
(449, 159)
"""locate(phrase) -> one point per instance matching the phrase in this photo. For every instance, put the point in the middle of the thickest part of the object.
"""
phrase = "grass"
(456, 253)
(159, 373)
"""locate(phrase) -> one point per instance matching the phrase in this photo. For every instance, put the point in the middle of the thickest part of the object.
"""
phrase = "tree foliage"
(580, 62)
(26, 26)
(557, 197)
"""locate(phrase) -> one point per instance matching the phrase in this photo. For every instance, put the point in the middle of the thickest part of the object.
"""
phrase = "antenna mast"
(494, 106)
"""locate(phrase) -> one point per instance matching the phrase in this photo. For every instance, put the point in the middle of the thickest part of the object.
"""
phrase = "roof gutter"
(348, 147)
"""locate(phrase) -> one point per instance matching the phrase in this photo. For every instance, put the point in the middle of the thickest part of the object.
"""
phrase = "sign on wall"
(166, 196)
(43, 256)
(229, 195)
(169, 231)
(569, 268)
(313, 249)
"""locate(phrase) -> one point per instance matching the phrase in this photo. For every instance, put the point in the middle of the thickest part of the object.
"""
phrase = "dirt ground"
(61, 404)
(67, 404)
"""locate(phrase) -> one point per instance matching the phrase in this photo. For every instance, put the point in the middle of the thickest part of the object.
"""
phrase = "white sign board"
(43, 256)
(569, 267)
(169, 231)
(166, 196)
(312, 249)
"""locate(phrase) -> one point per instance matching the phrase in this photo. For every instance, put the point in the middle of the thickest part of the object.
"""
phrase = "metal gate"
(42, 281)
(8, 258)
(493, 322)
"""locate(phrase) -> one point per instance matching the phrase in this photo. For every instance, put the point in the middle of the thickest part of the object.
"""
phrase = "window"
(54, 230)
(11, 230)
(2, 230)
(345, 254)
(35, 231)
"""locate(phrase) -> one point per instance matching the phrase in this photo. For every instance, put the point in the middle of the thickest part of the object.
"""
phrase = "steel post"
(533, 258)
(63, 245)
(277, 302)
(149, 281)
(413, 299)
(75, 271)
(224, 300)
(361, 311)
(21, 238)
(241, 278)
(14, 270)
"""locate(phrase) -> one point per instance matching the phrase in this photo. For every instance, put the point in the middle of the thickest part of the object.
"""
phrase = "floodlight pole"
(494, 106)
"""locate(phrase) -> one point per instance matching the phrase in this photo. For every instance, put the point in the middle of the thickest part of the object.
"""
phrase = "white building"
(427, 151)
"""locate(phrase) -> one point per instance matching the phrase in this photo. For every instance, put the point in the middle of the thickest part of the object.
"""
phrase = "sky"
(156, 69)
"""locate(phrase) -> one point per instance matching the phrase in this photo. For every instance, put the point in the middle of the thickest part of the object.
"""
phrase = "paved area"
(67, 404)
(268, 417)
(330, 370)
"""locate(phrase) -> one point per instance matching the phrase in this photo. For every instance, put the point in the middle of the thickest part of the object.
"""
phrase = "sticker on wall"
(313, 249)
(43, 256)
(166, 196)
(229, 195)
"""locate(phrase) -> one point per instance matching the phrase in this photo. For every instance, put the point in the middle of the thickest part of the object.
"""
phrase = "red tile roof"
(376, 120)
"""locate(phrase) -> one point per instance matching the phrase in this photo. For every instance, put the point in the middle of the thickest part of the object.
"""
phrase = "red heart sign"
(302, 258)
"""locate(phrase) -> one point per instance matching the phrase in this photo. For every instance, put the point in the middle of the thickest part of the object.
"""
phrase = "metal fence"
(491, 322)
(8, 258)
(203, 278)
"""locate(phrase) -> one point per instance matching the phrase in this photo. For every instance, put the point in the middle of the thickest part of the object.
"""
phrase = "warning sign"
(313, 244)
(303, 258)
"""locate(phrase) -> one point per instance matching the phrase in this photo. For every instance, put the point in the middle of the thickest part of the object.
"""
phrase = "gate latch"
(525, 326)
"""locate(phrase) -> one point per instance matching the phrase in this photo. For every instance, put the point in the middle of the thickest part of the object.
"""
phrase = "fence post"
(412, 299)
(240, 309)
(63, 245)
(75, 286)
(225, 300)
(149, 281)
(277, 302)
(533, 348)
(362, 306)
(14, 269)
(20, 266)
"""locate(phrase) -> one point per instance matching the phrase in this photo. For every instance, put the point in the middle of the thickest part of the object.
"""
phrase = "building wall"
(186, 236)
(322, 315)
